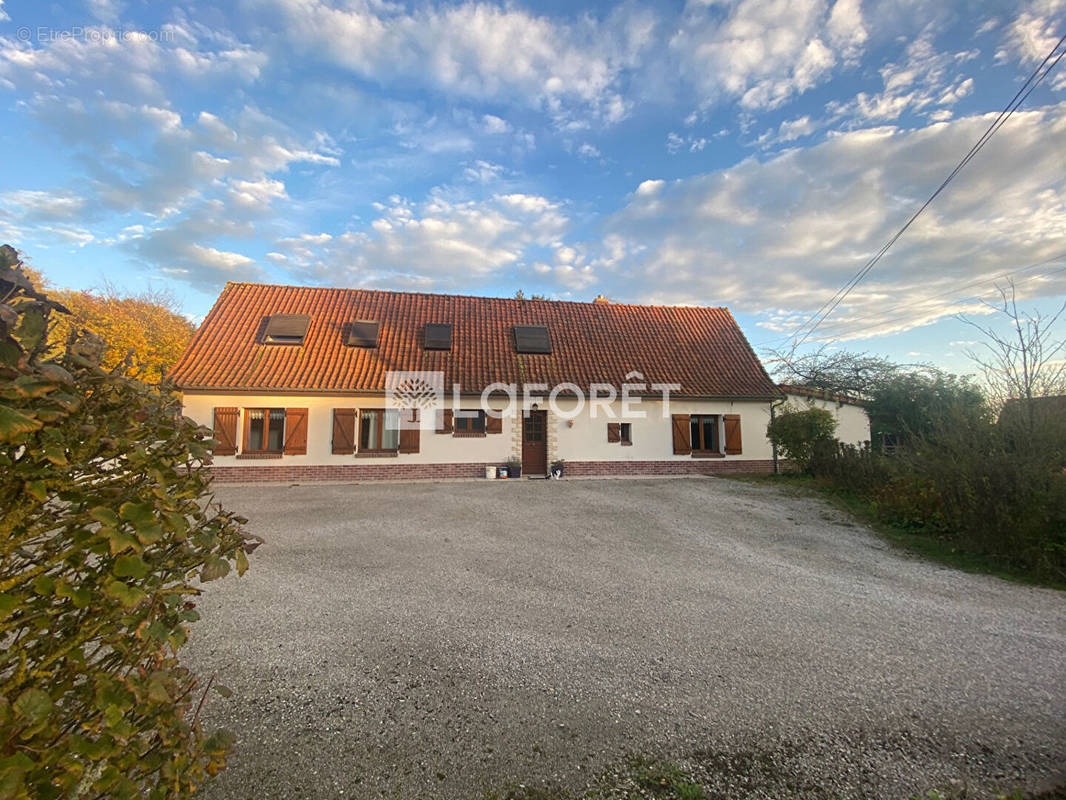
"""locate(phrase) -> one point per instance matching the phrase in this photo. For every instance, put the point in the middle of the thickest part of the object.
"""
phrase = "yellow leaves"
(147, 327)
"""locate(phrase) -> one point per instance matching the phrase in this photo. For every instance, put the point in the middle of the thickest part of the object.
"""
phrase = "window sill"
(469, 435)
(383, 454)
(627, 444)
(707, 454)
(250, 456)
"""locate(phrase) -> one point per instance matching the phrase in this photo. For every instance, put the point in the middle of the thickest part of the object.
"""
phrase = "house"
(853, 423)
(300, 384)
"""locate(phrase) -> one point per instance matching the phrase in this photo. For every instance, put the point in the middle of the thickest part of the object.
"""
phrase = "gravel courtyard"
(439, 640)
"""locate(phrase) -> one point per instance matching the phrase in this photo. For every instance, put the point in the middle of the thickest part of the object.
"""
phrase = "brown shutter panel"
(409, 437)
(614, 432)
(682, 434)
(225, 434)
(343, 431)
(732, 434)
(444, 421)
(295, 431)
(493, 424)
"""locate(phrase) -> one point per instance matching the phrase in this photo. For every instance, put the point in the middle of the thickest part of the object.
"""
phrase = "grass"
(636, 778)
(928, 546)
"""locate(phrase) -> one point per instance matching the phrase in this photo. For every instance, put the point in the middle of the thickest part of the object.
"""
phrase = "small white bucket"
(490, 473)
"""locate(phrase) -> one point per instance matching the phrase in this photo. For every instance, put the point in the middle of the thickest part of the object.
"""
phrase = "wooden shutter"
(732, 434)
(614, 432)
(682, 434)
(225, 434)
(444, 421)
(295, 431)
(409, 436)
(493, 424)
(343, 431)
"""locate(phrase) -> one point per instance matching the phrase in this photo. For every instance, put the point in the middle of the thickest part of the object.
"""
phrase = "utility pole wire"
(1020, 96)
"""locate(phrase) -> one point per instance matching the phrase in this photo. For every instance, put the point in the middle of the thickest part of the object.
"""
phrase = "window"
(469, 423)
(438, 336)
(379, 430)
(532, 339)
(363, 333)
(625, 432)
(705, 433)
(264, 430)
(286, 329)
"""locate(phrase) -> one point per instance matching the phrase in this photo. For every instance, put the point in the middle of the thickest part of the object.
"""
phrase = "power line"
(893, 319)
(916, 303)
(1020, 96)
(955, 290)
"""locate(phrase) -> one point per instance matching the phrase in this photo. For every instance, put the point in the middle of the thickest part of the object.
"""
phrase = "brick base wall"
(281, 473)
(696, 466)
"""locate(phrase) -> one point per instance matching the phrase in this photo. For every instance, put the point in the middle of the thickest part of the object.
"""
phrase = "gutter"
(774, 405)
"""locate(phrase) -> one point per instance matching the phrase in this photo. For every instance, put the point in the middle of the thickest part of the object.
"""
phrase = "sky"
(746, 153)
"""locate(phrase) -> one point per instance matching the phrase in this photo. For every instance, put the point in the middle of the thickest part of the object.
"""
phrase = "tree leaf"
(137, 513)
(14, 424)
(33, 705)
(214, 568)
(105, 516)
(127, 595)
(130, 567)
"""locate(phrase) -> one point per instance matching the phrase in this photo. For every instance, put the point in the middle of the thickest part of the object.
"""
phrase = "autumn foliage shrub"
(106, 529)
(990, 487)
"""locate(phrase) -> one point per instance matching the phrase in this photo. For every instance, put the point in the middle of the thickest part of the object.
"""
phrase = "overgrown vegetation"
(106, 528)
(979, 473)
(796, 433)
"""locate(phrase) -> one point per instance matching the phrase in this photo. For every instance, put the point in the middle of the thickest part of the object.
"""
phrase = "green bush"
(991, 488)
(106, 528)
(797, 434)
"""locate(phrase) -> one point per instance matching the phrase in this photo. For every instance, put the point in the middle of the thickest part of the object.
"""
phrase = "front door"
(535, 443)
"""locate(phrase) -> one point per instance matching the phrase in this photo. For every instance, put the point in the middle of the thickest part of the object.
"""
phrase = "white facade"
(580, 438)
(853, 424)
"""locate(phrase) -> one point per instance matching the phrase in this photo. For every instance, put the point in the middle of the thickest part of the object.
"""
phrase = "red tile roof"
(702, 349)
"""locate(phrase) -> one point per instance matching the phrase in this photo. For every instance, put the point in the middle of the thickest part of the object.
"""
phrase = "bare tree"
(1026, 361)
(840, 371)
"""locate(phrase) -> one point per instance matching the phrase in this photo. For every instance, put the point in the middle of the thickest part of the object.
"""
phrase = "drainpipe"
(773, 415)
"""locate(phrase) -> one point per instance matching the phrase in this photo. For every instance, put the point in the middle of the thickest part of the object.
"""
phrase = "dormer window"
(363, 333)
(438, 336)
(532, 339)
(286, 329)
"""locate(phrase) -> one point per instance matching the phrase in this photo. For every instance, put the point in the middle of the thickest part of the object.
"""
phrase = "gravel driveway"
(438, 640)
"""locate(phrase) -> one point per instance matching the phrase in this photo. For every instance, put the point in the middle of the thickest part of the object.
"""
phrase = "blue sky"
(749, 153)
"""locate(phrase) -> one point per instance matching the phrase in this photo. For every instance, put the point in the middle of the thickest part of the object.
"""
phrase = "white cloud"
(789, 130)
(39, 205)
(787, 233)
(106, 10)
(764, 52)
(438, 243)
(493, 124)
(925, 81)
(1032, 34)
(3, 14)
(474, 49)
(589, 151)
(75, 236)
